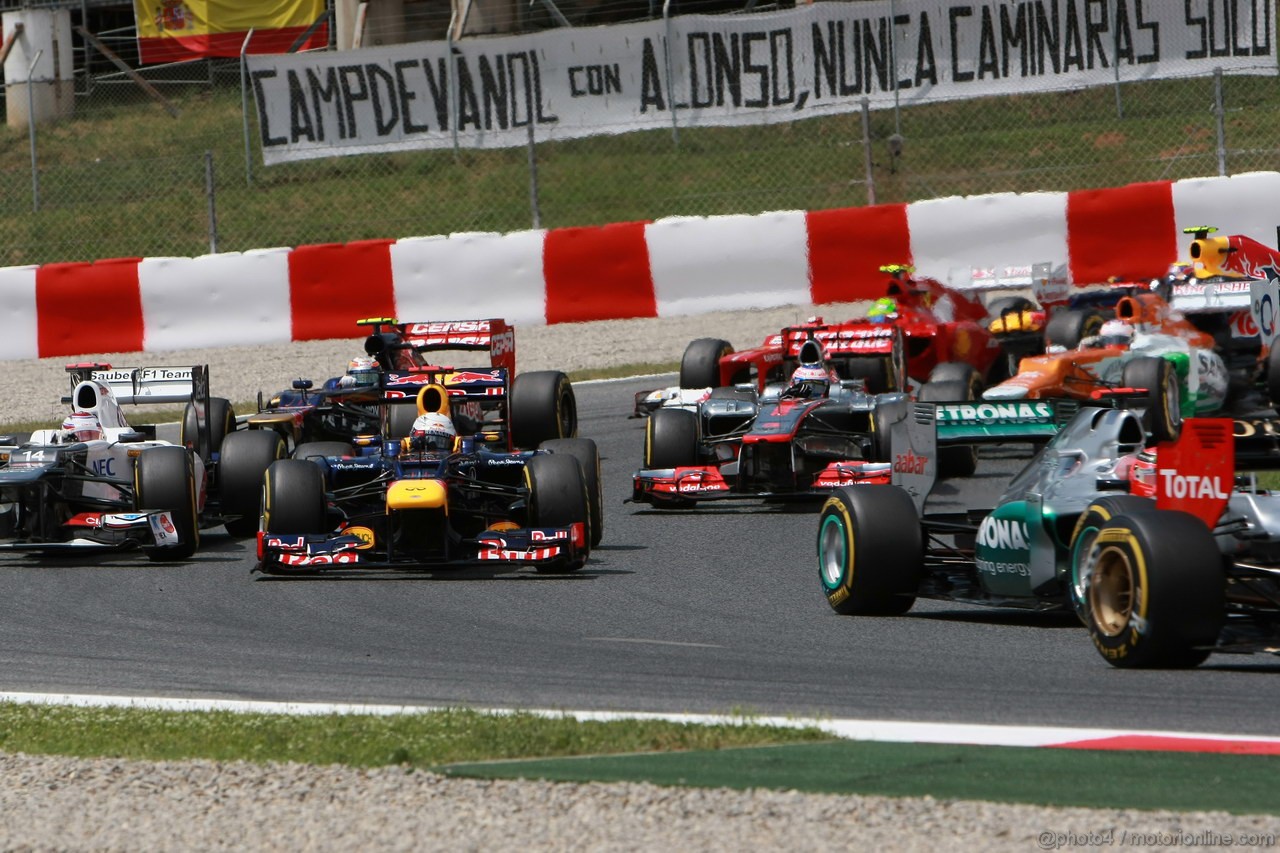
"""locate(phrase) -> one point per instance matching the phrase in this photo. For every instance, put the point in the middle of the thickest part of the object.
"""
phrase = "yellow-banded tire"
(557, 497)
(293, 499)
(700, 364)
(165, 478)
(542, 407)
(1153, 589)
(870, 551)
(222, 422)
(588, 456)
(1093, 519)
(1163, 417)
(245, 457)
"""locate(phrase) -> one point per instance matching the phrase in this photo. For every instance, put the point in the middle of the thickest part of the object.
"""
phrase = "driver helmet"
(809, 382)
(883, 309)
(362, 372)
(1115, 333)
(81, 426)
(432, 431)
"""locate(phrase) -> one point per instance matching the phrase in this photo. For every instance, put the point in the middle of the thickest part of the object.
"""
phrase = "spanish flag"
(179, 30)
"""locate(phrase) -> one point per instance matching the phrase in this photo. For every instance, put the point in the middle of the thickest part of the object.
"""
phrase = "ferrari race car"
(100, 484)
(1158, 555)
(393, 502)
(1146, 347)
(916, 326)
(508, 410)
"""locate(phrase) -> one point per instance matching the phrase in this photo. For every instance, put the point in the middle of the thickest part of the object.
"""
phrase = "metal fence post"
(1115, 54)
(533, 178)
(31, 131)
(1219, 114)
(210, 193)
(866, 150)
(671, 100)
(244, 108)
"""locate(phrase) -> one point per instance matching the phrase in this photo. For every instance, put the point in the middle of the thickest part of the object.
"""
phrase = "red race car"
(920, 330)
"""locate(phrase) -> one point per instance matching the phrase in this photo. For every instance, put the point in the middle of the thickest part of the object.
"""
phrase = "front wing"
(282, 553)
(89, 532)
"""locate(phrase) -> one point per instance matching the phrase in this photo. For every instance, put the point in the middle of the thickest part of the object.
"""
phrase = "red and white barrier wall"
(675, 266)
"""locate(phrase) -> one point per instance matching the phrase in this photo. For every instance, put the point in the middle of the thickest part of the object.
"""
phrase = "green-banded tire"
(1153, 590)
(165, 478)
(870, 551)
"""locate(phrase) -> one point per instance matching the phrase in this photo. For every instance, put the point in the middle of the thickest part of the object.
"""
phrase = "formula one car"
(99, 484)
(788, 442)
(1147, 347)
(511, 411)
(418, 502)
(916, 326)
(1135, 540)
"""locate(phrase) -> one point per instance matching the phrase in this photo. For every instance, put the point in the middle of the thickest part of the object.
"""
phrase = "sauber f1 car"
(917, 325)
(392, 502)
(102, 485)
(507, 410)
(1158, 554)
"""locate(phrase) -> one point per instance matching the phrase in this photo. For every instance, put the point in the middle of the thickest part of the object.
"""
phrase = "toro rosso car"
(391, 502)
(1147, 347)
(99, 484)
(917, 325)
(1153, 549)
(509, 411)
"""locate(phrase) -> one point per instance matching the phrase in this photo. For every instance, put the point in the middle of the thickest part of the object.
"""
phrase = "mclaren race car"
(430, 500)
(100, 484)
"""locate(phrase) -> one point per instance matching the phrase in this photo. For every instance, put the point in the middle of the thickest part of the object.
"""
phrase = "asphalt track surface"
(712, 610)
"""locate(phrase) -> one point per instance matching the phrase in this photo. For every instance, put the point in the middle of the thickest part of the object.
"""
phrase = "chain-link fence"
(128, 176)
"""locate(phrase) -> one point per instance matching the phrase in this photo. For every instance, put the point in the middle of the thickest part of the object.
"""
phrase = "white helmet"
(432, 431)
(81, 426)
(1115, 333)
(362, 371)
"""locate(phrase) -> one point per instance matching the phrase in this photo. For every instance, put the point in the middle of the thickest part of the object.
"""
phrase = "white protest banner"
(820, 59)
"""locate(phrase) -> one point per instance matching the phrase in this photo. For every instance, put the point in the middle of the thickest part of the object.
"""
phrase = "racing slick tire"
(1069, 328)
(400, 420)
(321, 449)
(1163, 417)
(957, 460)
(293, 498)
(246, 455)
(588, 456)
(222, 422)
(876, 370)
(870, 551)
(558, 498)
(958, 371)
(1273, 376)
(885, 414)
(671, 439)
(1154, 590)
(542, 408)
(165, 478)
(700, 364)
(1085, 533)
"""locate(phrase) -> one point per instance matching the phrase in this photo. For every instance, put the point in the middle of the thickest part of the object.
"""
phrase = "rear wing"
(480, 384)
(993, 422)
(493, 336)
(144, 384)
(843, 340)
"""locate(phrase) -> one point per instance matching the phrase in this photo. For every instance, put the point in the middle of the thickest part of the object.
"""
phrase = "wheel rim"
(1172, 404)
(832, 557)
(1112, 592)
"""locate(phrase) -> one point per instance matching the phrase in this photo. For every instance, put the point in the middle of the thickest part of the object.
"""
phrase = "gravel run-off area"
(56, 803)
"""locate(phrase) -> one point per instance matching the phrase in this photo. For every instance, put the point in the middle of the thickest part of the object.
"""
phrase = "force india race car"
(393, 502)
(513, 411)
(1157, 553)
(929, 324)
(1172, 361)
(120, 487)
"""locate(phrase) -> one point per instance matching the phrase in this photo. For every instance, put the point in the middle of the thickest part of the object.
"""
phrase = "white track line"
(868, 730)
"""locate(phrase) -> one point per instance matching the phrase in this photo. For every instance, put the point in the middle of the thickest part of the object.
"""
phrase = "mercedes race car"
(508, 410)
(1158, 555)
(100, 484)
(1150, 348)
(916, 326)
(393, 502)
